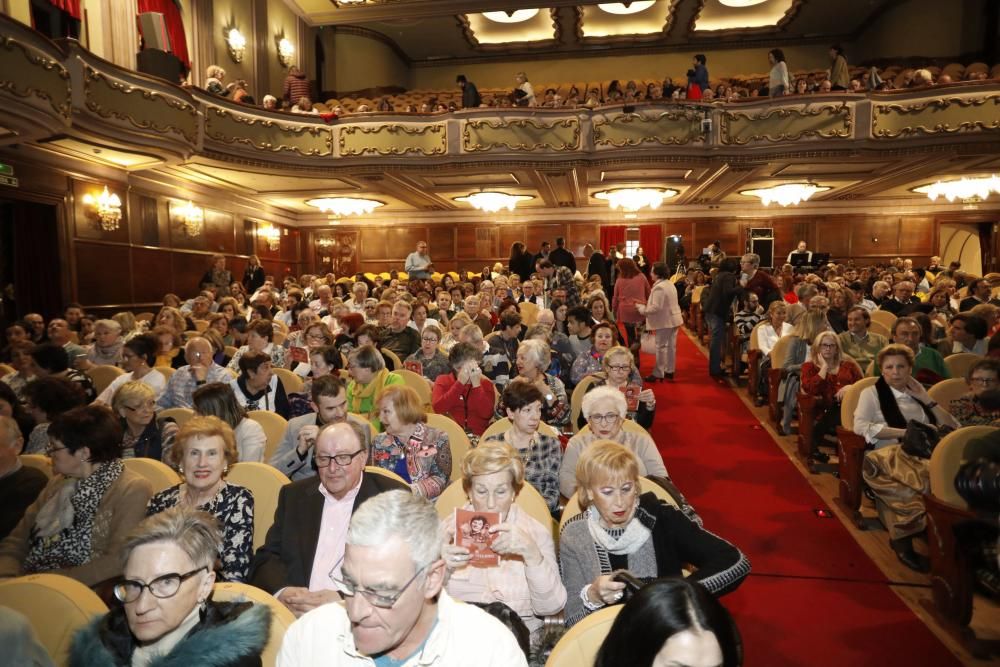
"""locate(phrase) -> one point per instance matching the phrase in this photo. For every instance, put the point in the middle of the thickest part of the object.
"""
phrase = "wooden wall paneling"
(219, 233)
(787, 234)
(535, 234)
(103, 274)
(835, 236)
(726, 232)
(580, 234)
(87, 224)
(875, 237)
(441, 242)
(151, 271)
(917, 236)
(465, 243)
(187, 269)
(487, 243)
(509, 235)
(374, 244)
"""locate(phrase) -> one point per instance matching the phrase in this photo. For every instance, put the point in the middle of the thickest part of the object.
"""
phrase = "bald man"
(200, 370)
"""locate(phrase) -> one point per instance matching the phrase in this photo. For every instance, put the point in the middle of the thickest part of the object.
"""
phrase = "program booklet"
(414, 366)
(299, 354)
(472, 532)
(631, 392)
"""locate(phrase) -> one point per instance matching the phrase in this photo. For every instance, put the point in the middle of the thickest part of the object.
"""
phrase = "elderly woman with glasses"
(527, 578)
(143, 435)
(205, 450)
(826, 375)
(369, 377)
(605, 409)
(167, 616)
(622, 529)
(541, 454)
(533, 360)
(77, 524)
(970, 410)
(619, 372)
(418, 453)
(604, 340)
(428, 361)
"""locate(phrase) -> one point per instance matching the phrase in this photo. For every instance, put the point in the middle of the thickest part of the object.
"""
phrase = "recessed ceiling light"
(741, 3)
(626, 7)
(516, 16)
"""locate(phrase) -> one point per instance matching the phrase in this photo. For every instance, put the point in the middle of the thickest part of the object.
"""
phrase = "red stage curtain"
(175, 25)
(611, 235)
(651, 241)
(71, 7)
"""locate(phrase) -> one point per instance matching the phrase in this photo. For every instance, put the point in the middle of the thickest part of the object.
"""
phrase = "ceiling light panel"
(614, 19)
(499, 28)
(741, 14)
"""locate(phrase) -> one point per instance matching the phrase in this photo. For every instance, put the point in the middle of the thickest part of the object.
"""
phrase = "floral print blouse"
(424, 461)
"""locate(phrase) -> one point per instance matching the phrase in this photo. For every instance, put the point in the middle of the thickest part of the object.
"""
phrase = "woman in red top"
(464, 394)
(826, 376)
(631, 288)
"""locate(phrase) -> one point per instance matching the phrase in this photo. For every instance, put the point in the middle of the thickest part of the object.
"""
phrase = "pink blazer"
(628, 292)
(662, 310)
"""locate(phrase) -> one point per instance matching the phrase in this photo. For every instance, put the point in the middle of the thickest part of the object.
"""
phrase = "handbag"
(920, 439)
(647, 343)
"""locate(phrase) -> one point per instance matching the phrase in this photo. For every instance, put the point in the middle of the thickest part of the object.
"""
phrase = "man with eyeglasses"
(306, 540)
(396, 611)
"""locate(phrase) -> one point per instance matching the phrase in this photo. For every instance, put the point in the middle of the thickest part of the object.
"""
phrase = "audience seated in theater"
(12, 406)
(51, 360)
(218, 400)
(138, 356)
(501, 355)
(429, 358)
(418, 453)
(260, 337)
(464, 394)
(59, 334)
(989, 313)
(803, 335)
(605, 409)
(623, 529)
(399, 337)
(533, 359)
(45, 399)
(966, 334)
(979, 292)
(257, 387)
(172, 317)
(826, 375)
(19, 484)
(928, 365)
(305, 544)
(143, 435)
(974, 409)
(24, 368)
(173, 555)
(619, 372)
(590, 362)
(169, 350)
(858, 342)
(541, 454)
(369, 376)
(204, 451)
(200, 370)
(527, 578)
(214, 77)
(106, 349)
(76, 526)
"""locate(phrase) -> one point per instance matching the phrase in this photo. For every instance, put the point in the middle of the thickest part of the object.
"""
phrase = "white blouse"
(869, 420)
(767, 336)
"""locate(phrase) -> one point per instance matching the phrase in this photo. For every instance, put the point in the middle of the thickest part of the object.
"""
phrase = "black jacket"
(253, 279)
(470, 96)
(725, 287)
(563, 257)
(523, 266)
(598, 266)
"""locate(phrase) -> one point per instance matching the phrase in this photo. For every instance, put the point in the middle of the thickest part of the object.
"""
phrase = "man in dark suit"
(902, 302)
(306, 541)
(597, 265)
(543, 253)
(563, 257)
(979, 292)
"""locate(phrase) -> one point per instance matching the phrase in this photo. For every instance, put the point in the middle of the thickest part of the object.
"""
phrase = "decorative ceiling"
(434, 31)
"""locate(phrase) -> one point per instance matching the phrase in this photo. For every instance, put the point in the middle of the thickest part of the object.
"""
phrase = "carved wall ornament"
(46, 79)
(821, 121)
(668, 128)
(522, 134)
(266, 134)
(155, 111)
(393, 139)
(948, 115)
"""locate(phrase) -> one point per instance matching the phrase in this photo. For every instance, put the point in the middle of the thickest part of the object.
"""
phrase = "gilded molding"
(230, 128)
(429, 139)
(962, 116)
(669, 128)
(23, 82)
(184, 124)
(520, 133)
(826, 121)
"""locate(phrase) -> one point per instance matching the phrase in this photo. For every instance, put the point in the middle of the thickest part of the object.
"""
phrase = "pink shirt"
(332, 537)
(628, 292)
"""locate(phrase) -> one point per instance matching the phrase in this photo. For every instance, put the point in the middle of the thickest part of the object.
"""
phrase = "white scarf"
(631, 540)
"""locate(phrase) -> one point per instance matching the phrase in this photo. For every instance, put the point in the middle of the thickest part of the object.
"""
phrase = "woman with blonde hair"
(205, 449)
(143, 435)
(369, 377)
(810, 325)
(418, 453)
(457, 322)
(173, 318)
(527, 578)
(826, 376)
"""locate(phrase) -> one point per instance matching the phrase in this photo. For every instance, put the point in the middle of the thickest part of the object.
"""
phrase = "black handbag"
(920, 439)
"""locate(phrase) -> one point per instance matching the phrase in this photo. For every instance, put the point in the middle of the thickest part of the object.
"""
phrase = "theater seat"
(292, 382)
(274, 426)
(579, 646)
(264, 482)
(458, 441)
(56, 606)
(281, 617)
(959, 364)
(103, 375)
(946, 391)
(159, 474)
(646, 485)
(851, 451)
(419, 384)
(502, 425)
(38, 462)
(179, 415)
(376, 470)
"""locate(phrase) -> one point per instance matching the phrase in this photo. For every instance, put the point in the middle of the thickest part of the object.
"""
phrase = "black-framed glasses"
(374, 598)
(608, 419)
(162, 587)
(323, 460)
(619, 368)
(50, 450)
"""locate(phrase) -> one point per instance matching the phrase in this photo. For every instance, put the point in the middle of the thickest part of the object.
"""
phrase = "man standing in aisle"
(563, 257)
(418, 263)
(470, 94)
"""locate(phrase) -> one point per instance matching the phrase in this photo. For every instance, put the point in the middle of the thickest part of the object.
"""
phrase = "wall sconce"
(272, 236)
(286, 51)
(236, 44)
(193, 218)
(107, 206)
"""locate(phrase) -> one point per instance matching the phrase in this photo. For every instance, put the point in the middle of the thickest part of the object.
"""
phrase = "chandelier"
(324, 243)
(342, 206)
(633, 199)
(491, 202)
(108, 207)
(272, 235)
(785, 194)
(963, 189)
(625, 8)
(193, 218)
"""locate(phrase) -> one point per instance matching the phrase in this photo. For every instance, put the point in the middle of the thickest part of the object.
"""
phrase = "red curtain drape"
(175, 25)
(71, 7)
(611, 235)
(651, 241)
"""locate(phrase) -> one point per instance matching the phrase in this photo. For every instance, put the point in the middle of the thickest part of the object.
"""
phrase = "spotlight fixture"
(343, 206)
(785, 194)
(633, 199)
(108, 208)
(964, 189)
(236, 44)
(492, 202)
(193, 218)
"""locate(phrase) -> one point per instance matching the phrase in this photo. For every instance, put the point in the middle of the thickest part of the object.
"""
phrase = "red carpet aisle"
(814, 597)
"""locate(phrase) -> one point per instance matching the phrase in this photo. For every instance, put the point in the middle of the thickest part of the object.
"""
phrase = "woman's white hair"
(110, 325)
(600, 394)
(538, 353)
(401, 514)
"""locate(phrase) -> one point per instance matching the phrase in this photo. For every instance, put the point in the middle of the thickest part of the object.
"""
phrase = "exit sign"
(6, 169)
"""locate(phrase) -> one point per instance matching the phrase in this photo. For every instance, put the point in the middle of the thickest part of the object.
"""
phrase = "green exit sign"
(6, 169)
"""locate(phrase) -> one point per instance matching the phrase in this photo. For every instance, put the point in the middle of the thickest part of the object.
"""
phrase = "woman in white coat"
(663, 315)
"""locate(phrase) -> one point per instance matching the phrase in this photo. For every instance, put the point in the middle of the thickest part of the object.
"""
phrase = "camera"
(978, 482)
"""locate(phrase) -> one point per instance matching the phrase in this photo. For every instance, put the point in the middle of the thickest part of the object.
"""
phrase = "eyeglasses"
(609, 418)
(323, 461)
(315, 337)
(429, 339)
(376, 599)
(146, 405)
(620, 368)
(50, 450)
(161, 587)
(983, 381)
